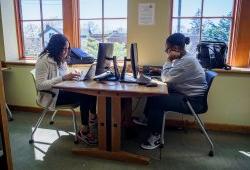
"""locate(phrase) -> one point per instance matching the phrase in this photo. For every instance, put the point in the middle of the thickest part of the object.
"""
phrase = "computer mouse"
(151, 84)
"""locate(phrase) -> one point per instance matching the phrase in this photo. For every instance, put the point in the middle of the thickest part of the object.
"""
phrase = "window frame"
(71, 24)
(234, 28)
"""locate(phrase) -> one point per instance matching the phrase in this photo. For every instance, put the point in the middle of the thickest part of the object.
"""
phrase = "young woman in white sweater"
(51, 68)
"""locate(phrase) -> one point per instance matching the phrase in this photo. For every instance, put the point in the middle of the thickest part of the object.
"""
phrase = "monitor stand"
(128, 79)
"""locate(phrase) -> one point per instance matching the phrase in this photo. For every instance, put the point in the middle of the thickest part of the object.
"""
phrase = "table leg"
(102, 134)
(102, 150)
(116, 123)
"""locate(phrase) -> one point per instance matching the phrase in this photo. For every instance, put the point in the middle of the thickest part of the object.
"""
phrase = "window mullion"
(102, 20)
(201, 18)
(42, 29)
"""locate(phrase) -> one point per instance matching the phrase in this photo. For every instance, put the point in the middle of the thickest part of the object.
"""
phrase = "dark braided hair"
(55, 48)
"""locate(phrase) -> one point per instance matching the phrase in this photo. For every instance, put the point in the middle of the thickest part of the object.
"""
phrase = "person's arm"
(174, 72)
(42, 72)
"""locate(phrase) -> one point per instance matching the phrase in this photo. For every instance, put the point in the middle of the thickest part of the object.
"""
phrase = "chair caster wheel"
(11, 119)
(76, 142)
(31, 141)
(51, 122)
(211, 153)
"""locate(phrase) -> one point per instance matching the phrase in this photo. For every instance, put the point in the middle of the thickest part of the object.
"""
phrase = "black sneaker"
(152, 142)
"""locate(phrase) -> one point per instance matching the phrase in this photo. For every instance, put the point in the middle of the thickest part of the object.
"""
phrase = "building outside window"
(203, 20)
(39, 20)
(103, 21)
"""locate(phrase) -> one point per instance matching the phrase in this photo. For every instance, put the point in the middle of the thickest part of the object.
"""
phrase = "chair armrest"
(49, 92)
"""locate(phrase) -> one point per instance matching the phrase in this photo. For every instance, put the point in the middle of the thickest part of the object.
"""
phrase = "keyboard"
(141, 80)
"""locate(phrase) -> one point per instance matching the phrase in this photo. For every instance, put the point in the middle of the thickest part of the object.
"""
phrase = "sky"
(88, 9)
(52, 9)
(211, 7)
(118, 8)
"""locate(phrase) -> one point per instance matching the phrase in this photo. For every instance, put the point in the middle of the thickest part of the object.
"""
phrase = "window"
(103, 21)
(38, 21)
(209, 20)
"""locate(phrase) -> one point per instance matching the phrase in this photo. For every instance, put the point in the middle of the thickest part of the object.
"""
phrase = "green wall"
(229, 99)
(2, 56)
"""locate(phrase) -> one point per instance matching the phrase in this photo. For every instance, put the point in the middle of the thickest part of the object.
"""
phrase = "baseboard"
(37, 109)
(169, 122)
(209, 126)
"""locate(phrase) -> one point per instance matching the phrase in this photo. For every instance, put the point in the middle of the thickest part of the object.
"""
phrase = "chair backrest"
(210, 75)
(33, 73)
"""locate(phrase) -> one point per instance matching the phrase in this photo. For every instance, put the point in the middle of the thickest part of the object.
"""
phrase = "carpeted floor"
(52, 151)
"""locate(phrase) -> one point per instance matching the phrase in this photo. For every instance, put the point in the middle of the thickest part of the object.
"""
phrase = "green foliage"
(120, 50)
(212, 31)
(218, 32)
(195, 24)
(90, 45)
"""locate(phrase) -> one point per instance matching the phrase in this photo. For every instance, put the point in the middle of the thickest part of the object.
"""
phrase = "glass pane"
(32, 38)
(115, 31)
(187, 8)
(190, 28)
(30, 9)
(216, 29)
(90, 35)
(222, 8)
(90, 9)
(115, 8)
(52, 9)
(50, 28)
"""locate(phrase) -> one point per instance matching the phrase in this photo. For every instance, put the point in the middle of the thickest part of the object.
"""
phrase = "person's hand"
(155, 71)
(71, 76)
(76, 71)
(174, 55)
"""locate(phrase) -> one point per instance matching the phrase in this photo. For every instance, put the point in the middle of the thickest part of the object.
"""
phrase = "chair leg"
(38, 124)
(201, 125)
(9, 112)
(52, 117)
(75, 125)
(162, 133)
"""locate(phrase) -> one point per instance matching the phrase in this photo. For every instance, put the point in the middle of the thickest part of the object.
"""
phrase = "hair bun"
(187, 40)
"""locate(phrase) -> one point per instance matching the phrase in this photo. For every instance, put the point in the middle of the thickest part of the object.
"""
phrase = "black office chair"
(210, 75)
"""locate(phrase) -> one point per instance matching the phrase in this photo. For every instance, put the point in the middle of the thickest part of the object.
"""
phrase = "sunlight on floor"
(43, 138)
(245, 153)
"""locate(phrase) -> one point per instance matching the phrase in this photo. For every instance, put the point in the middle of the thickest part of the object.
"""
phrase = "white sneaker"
(141, 121)
(152, 142)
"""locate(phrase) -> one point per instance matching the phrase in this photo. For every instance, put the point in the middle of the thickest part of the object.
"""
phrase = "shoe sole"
(145, 148)
(86, 141)
(139, 123)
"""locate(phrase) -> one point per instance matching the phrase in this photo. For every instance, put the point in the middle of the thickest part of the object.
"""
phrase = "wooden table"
(109, 138)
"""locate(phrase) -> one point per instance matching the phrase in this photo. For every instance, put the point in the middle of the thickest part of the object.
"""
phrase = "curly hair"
(55, 47)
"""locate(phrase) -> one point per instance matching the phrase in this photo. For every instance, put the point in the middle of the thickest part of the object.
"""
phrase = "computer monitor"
(134, 59)
(105, 52)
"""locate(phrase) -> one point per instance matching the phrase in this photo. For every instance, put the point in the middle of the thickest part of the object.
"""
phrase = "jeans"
(87, 103)
(157, 105)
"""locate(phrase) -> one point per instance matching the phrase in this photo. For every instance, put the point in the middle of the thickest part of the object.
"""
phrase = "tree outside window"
(208, 20)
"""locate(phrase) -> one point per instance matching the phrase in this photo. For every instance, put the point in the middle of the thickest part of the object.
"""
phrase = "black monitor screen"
(134, 59)
(105, 50)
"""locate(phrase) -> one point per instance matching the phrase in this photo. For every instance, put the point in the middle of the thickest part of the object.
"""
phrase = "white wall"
(9, 30)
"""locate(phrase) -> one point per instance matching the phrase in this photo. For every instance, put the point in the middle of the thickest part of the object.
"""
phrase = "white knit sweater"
(48, 74)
